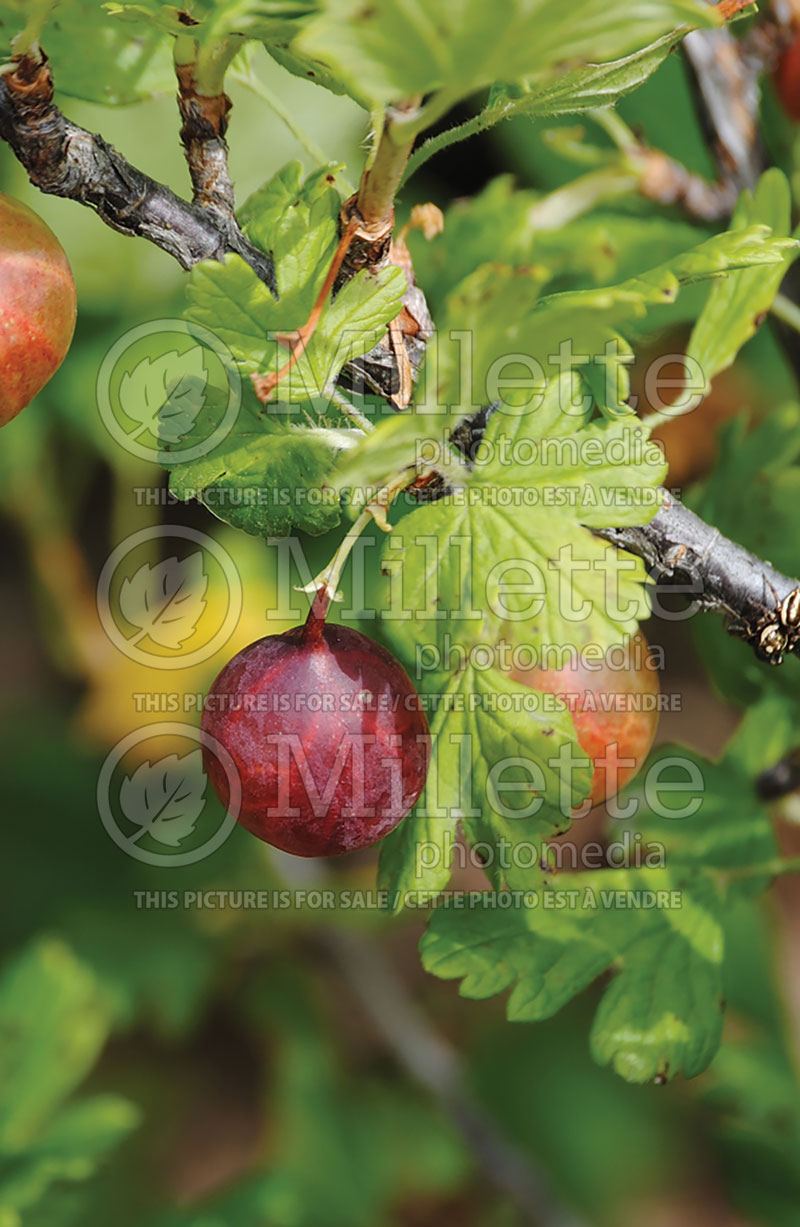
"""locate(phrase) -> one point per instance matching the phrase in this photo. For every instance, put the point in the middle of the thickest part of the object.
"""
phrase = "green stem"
(214, 58)
(786, 311)
(383, 176)
(184, 50)
(355, 415)
(615, 127)
(435, 144)
(306, 142)
(408, 125)
(329, 577)
(775, 868)
(606, 117)
(27, 42)
(574, 199)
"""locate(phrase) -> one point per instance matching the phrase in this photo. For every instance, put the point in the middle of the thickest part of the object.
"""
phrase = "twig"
(203, 128)
(680, 548)
(434, 1063)
(65, 160)
(661, 178)
(427, 1056)
(725, 85)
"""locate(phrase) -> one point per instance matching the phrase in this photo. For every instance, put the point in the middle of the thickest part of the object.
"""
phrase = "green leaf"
(606, 470)
(266, 477)
(591, 85)
(701, 812)
(513, 331)
(269, 473)
(498, 558)
(737, 305)
(394, 49)
(53, 1024)
(70, 1149)
(659, 928)
(662, 1012)
(275, 23)
(229, 298)
(476, 573)
(504, 764)
(572, 92)
(416, 857)
(95, 58)
(502, 224)
(265, 20)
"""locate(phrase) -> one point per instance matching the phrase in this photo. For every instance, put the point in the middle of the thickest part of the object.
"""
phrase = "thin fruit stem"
(328, 579)
(375, 511)
(315, 622)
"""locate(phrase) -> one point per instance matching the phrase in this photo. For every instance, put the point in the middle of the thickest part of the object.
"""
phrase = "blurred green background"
(168, 1066)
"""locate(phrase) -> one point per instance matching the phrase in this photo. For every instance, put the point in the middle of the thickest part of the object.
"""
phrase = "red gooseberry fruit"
(614, 707)
(37, 306)
(327, 734)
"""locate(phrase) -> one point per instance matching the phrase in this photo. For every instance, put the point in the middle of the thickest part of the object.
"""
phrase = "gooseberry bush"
(454, 388)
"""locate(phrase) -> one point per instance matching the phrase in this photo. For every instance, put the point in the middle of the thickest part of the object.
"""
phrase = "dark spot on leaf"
(759, 319)
(330, 178)
(186, 19)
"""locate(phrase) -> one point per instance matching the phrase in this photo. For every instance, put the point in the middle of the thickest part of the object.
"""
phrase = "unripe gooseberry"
(614, 707)
(37, 306)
